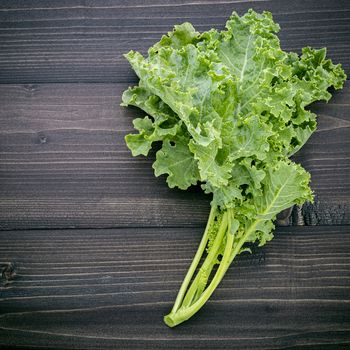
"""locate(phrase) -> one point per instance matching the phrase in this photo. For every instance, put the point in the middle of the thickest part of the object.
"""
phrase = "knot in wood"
(8, 272)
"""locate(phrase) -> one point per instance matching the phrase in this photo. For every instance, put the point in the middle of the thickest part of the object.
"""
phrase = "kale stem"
(195, 261)
(185, 313)
(243, 239)
(208, 263)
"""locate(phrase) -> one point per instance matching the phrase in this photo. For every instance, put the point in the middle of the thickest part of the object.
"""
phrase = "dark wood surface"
(109, 289)
(93, 247)
(83, 40)
(64, 163)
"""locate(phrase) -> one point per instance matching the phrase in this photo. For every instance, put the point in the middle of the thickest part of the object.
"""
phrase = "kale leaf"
(229, 108)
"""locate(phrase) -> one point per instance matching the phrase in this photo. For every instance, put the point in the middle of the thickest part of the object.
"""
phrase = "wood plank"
(108, 289)
(83, 41)
(63, 163)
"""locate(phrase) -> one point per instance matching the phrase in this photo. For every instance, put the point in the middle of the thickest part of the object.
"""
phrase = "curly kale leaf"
(229, 109)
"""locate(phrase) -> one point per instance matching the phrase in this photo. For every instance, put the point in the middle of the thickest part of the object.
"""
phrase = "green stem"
(208, 263)
(184, 314)
(195, 261)
(243, 239)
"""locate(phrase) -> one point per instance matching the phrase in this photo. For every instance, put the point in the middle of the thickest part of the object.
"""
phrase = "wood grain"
(83, 41)
(64, 163)
(110, 288)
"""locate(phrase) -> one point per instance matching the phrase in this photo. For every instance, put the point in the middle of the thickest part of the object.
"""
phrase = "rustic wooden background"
(93, 247)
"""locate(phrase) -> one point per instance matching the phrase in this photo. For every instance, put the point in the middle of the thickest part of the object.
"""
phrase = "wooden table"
(93, 247)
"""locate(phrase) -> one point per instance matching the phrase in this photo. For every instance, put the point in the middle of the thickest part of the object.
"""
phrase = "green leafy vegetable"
(229, 109)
